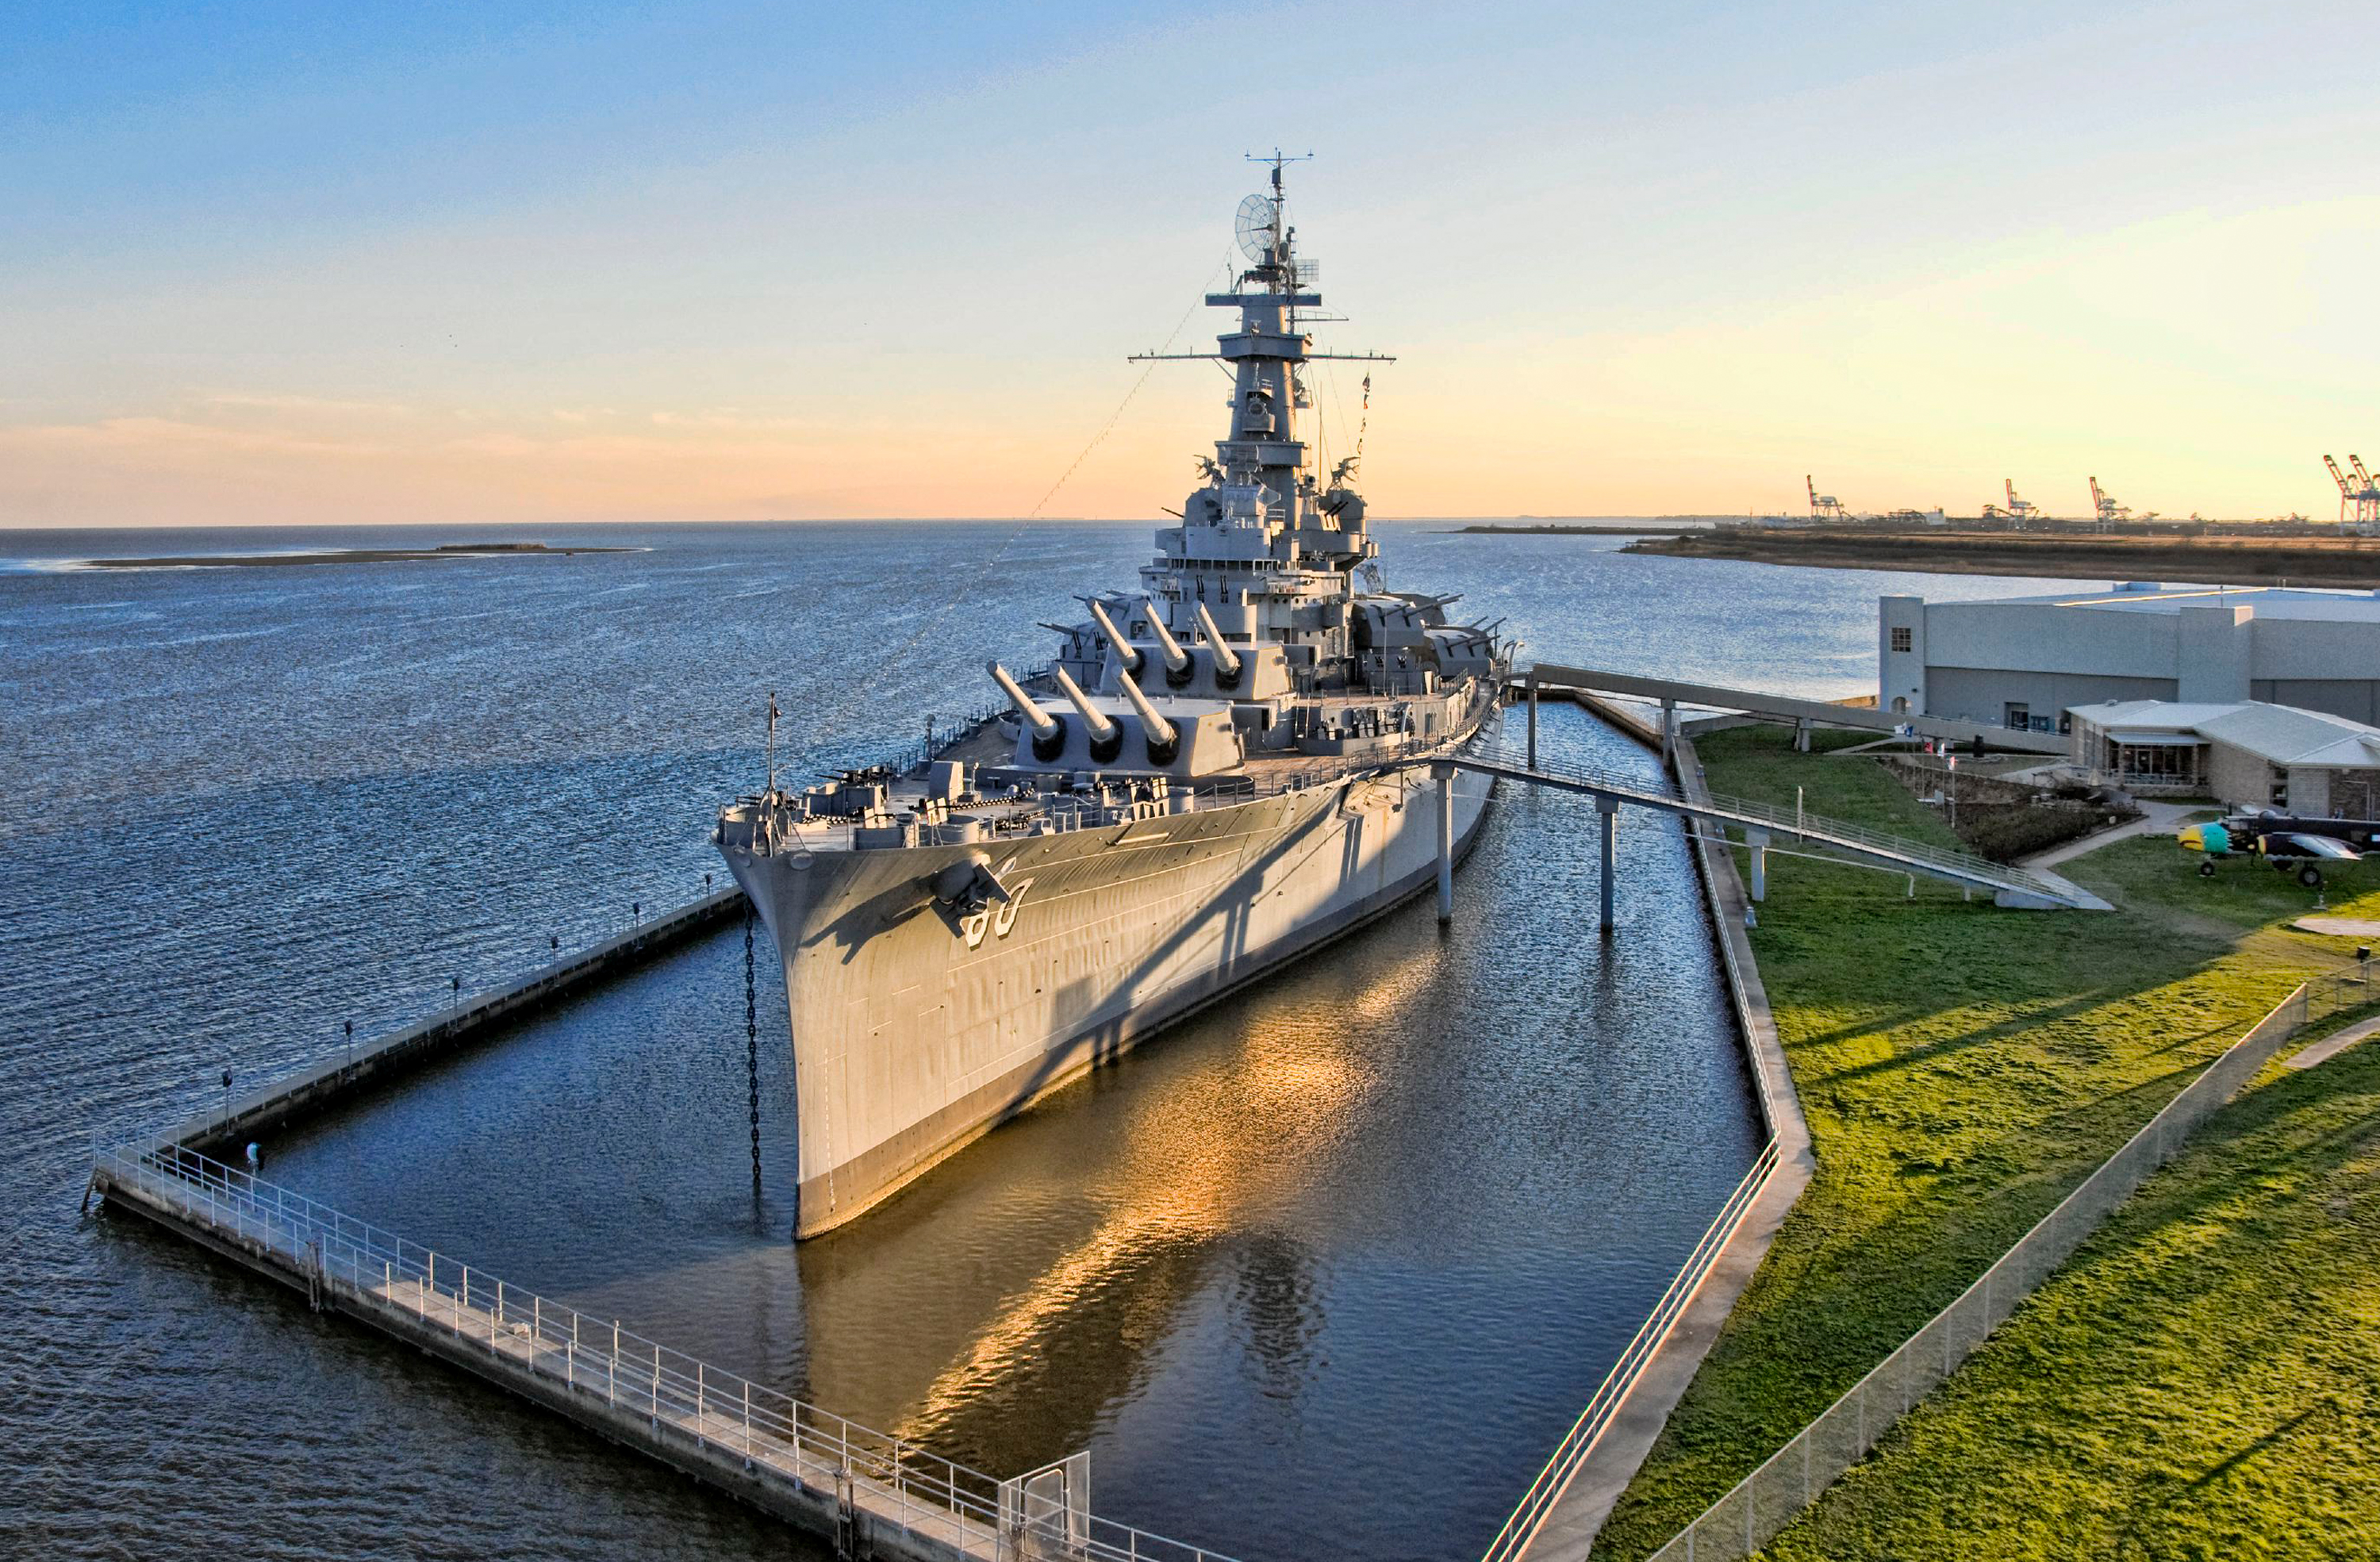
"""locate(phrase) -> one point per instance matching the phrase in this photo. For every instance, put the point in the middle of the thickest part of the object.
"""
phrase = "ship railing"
(609, 1369)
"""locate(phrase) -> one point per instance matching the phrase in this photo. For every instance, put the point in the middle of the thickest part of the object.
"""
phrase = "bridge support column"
(1444, 776)
(1533, 718)
(1668, 734)
(1758, 841)
(1801, 735)
(1608, 812)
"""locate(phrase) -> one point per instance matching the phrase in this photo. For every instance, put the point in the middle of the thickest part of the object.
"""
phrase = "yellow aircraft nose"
(2189, 836)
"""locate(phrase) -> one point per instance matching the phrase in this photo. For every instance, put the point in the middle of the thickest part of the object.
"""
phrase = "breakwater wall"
(370, 1063)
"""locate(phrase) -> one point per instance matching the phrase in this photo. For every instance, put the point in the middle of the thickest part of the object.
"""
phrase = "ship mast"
(1260, 545)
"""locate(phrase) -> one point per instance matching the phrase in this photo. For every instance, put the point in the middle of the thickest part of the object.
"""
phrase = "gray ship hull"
(915, 1028)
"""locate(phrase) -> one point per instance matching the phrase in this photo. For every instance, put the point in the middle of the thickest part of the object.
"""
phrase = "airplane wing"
(2299, 845)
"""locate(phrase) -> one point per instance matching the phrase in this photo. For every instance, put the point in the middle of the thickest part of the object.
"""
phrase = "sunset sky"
(405, 263)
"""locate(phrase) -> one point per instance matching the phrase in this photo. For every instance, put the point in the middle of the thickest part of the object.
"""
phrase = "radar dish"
(1254, 226)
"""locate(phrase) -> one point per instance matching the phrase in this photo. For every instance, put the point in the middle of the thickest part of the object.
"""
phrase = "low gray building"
(2023, 662)
(2246, 753)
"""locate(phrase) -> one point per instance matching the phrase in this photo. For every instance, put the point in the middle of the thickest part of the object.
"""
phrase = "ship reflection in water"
(1324, 1271)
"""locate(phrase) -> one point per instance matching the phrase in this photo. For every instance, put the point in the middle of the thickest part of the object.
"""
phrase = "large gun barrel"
(1106, 737)
(1115, 637)
(1043, 724)
(1049, 732)
(1227, 660)
(1163, 741)
(1177, 660)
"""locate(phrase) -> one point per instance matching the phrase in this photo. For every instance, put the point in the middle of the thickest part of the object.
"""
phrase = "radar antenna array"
(1254, 227)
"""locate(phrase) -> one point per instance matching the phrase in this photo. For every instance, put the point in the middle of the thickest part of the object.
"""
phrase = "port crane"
(1822, 506)
(2104, 505)
(2359, 496)
(2019, 510)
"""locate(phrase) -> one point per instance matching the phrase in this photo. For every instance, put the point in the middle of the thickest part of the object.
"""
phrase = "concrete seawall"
(368, 1063)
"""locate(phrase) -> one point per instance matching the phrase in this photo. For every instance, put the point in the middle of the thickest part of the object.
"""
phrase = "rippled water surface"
(1326, 1272)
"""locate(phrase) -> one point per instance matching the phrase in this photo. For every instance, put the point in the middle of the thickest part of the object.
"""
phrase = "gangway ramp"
(1671, 693)
(1762, 824)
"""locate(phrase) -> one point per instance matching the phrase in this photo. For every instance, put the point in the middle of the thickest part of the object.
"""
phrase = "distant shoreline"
(351, 556)
(1579, 528)
(2323, 561)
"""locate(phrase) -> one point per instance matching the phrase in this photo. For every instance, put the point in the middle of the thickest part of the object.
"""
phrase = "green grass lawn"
(2200, 1380)
(1961, 1067)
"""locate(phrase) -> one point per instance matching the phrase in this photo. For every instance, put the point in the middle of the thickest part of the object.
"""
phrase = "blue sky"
(386, 263)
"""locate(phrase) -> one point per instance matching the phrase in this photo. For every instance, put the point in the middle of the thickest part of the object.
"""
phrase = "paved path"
(2331, 1045)
(2338, 927)
(2156, 818)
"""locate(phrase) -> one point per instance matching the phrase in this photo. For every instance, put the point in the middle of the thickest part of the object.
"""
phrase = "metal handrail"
(1604, 1404)
(1807, 826)
(778, 1436)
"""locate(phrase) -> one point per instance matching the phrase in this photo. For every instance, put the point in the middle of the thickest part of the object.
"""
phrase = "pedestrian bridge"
(1762, 826)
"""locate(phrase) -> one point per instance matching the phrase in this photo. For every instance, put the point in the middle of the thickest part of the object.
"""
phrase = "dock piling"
(1533, 718)
(1444, 775)
(1606, 812)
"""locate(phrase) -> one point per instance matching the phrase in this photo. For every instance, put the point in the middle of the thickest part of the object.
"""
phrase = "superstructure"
(1215, 772)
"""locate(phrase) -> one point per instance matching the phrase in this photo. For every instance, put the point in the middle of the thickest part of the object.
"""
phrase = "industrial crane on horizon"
(1822, 506)
(2362, 496)
(2103, 505)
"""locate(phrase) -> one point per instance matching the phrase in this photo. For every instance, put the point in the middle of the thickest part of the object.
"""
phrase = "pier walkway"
(867, 1493)
(1761, 824)
(1804, 713)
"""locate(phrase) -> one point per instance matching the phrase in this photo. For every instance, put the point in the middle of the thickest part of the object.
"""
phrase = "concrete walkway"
(2156, 818)
(2338, 926)
(2331, 1045)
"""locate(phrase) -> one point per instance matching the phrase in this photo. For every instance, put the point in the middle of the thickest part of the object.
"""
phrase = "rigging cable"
(861, 690)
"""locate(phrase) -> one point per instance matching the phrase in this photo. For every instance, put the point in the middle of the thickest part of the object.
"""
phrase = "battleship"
(1215, 774)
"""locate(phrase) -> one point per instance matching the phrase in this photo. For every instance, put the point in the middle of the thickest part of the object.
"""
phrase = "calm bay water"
(1326, 1272)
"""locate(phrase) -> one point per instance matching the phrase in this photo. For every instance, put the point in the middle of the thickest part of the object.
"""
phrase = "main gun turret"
(1132, 659)
(1049, 732)
(1157, 734)
(1106, 737)
(1177, 660)
(1227, 660)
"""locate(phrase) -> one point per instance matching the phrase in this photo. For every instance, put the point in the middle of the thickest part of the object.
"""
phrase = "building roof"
(2281, 734)
(2269, 601)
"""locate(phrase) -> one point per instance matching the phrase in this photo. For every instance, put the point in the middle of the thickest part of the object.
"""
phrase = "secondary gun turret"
(1227, 660)
(1106, 737)
(1177, 660)
(1131, 658)
(1049, 732)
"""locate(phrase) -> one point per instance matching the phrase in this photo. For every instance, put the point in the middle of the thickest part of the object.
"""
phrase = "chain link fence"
(1769, 1498)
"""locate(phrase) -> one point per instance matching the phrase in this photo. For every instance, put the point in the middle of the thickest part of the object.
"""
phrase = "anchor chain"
(752, 1044)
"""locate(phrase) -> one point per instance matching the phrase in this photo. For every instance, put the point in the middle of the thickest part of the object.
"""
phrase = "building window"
(1901, 637)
